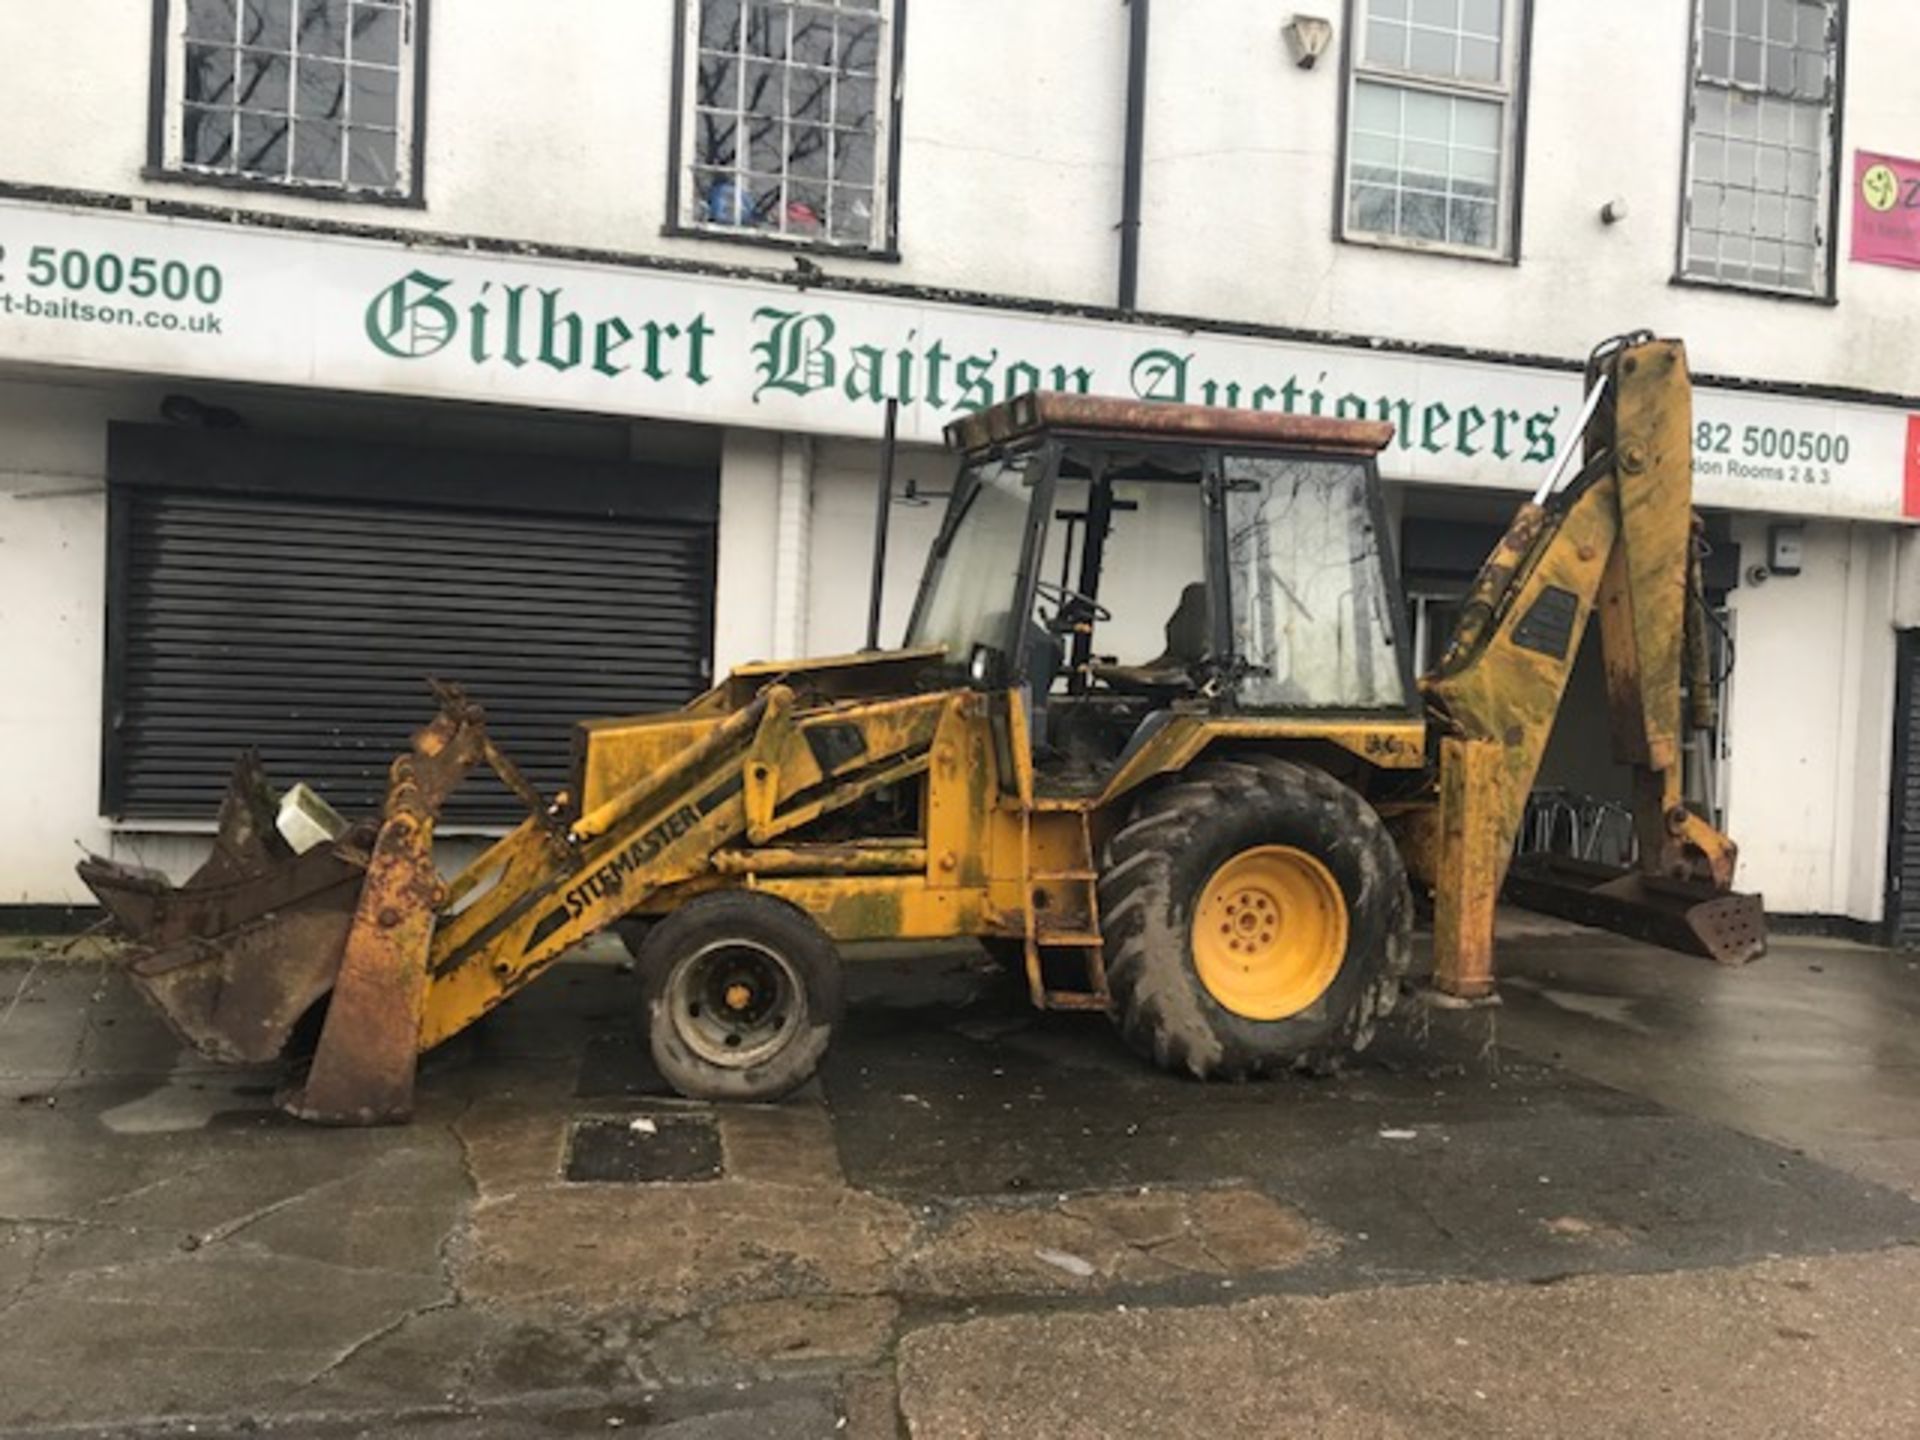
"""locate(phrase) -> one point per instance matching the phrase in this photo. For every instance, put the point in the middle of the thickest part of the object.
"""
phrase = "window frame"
(1513, 93)
(1834, 159)
(165, 129)
(1393, 592)
(884, 245)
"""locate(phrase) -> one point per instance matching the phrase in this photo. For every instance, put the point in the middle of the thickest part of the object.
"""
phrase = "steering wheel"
(1060, 596)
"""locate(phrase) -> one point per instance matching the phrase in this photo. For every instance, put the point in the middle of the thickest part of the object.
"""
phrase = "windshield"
(1311, 616)
(975, 574)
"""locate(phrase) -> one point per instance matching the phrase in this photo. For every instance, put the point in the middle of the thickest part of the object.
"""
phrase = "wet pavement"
(1645, 1196)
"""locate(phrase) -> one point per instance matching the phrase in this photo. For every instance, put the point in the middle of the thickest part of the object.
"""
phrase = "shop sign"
(141, 294)
(1886, 210)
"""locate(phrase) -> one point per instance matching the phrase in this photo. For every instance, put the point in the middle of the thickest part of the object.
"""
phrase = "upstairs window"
(1432, 119)
(306, 94)
(1762, 136)
(788, 113)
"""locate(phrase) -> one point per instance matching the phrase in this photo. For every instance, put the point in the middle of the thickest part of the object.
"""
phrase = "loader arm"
(1618, 538)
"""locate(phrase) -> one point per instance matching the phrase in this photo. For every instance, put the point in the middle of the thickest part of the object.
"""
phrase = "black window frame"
(160, 104)
(675, 225)
(1836, 157)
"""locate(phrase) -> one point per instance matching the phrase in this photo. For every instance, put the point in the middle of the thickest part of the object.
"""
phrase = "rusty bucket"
(1690, 916)
(235, 956)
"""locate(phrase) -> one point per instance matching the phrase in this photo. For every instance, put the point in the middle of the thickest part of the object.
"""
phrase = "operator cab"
(1118, 561)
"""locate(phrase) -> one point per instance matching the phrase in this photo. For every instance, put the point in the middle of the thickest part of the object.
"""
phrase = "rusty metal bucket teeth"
(1685, 915)
(236, 955)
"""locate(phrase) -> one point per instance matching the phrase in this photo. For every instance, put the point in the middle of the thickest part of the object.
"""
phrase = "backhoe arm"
(1617, 538)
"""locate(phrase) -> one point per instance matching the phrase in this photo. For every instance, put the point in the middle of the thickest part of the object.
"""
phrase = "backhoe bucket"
(1690, 916)
(235, 956)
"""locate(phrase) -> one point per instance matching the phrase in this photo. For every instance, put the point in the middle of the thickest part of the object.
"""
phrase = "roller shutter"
(294, 601)
(1903, 841)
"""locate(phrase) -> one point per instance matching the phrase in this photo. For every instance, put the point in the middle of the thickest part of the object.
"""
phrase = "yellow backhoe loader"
(1154, 733)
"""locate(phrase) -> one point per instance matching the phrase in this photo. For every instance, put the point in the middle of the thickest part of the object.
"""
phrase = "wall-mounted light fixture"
(1307, 37)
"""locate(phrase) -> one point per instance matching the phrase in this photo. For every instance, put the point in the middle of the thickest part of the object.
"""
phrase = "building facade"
(343, 341)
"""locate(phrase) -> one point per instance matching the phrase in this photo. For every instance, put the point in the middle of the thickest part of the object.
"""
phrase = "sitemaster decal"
(611, 877)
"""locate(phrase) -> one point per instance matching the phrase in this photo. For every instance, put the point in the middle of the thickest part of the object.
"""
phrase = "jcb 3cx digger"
(1154, 731)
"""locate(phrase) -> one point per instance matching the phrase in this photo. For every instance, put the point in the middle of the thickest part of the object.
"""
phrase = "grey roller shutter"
(1903, 858)
(304, 624)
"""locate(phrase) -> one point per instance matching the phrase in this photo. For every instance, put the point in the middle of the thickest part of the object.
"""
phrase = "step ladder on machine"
(1067, 929)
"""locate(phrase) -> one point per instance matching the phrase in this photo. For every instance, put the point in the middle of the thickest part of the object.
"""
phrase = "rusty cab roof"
(1107, 417)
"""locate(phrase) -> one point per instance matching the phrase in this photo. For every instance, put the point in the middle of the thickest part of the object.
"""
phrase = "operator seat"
(1173, 670)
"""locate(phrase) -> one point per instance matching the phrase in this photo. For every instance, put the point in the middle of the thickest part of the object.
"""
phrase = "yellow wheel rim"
(1270, 932)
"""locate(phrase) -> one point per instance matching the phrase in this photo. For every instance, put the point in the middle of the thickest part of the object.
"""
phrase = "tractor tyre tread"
(1159, 1006)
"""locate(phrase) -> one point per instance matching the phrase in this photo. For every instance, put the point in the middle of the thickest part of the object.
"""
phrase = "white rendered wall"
(845, 479)
(743, 628)
(52, 604)
(1811, 723)
(550, 125)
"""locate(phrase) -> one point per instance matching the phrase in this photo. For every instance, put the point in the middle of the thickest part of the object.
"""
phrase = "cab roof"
(1062, 412)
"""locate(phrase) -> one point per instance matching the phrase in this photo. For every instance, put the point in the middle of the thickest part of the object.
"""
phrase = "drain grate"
(641, 1149)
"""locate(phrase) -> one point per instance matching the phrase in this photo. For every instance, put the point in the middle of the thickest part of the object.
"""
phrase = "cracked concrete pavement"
(1646, 1196)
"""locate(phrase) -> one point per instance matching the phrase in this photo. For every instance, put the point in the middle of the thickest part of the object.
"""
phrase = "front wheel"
(743, 993)
(1257, 918)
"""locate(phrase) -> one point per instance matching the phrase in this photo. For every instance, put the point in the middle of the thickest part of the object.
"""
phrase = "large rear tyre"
(1257, 919)
(743, 994)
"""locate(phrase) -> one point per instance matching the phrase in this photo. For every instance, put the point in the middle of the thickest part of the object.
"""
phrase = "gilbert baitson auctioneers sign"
(143, 294)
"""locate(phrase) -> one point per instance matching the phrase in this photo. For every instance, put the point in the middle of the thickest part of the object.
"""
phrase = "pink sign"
(1886, 210)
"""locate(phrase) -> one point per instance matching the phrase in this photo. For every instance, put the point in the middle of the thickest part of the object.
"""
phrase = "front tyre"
(742, 996)
(1257, 918)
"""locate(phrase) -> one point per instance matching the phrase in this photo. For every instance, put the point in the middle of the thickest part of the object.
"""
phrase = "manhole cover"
(643, 1148)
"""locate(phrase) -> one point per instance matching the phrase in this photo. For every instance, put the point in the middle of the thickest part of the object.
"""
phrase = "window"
(307, 94)
(1431, 124)
(969, 594)
(1761, 143)
(788, 113)
(1312, 622)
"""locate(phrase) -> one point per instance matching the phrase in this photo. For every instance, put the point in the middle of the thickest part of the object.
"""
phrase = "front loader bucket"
(260, 934)
(1686, 915)
(236, 955)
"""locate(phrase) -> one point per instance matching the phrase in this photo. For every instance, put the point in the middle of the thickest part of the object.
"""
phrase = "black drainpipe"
(1136, 144)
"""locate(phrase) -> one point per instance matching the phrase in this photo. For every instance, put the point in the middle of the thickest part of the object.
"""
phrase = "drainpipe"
(1135, 147)
(793, 545)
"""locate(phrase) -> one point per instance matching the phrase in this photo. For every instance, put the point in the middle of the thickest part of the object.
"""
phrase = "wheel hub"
(1269, 932)
(735, 1003)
